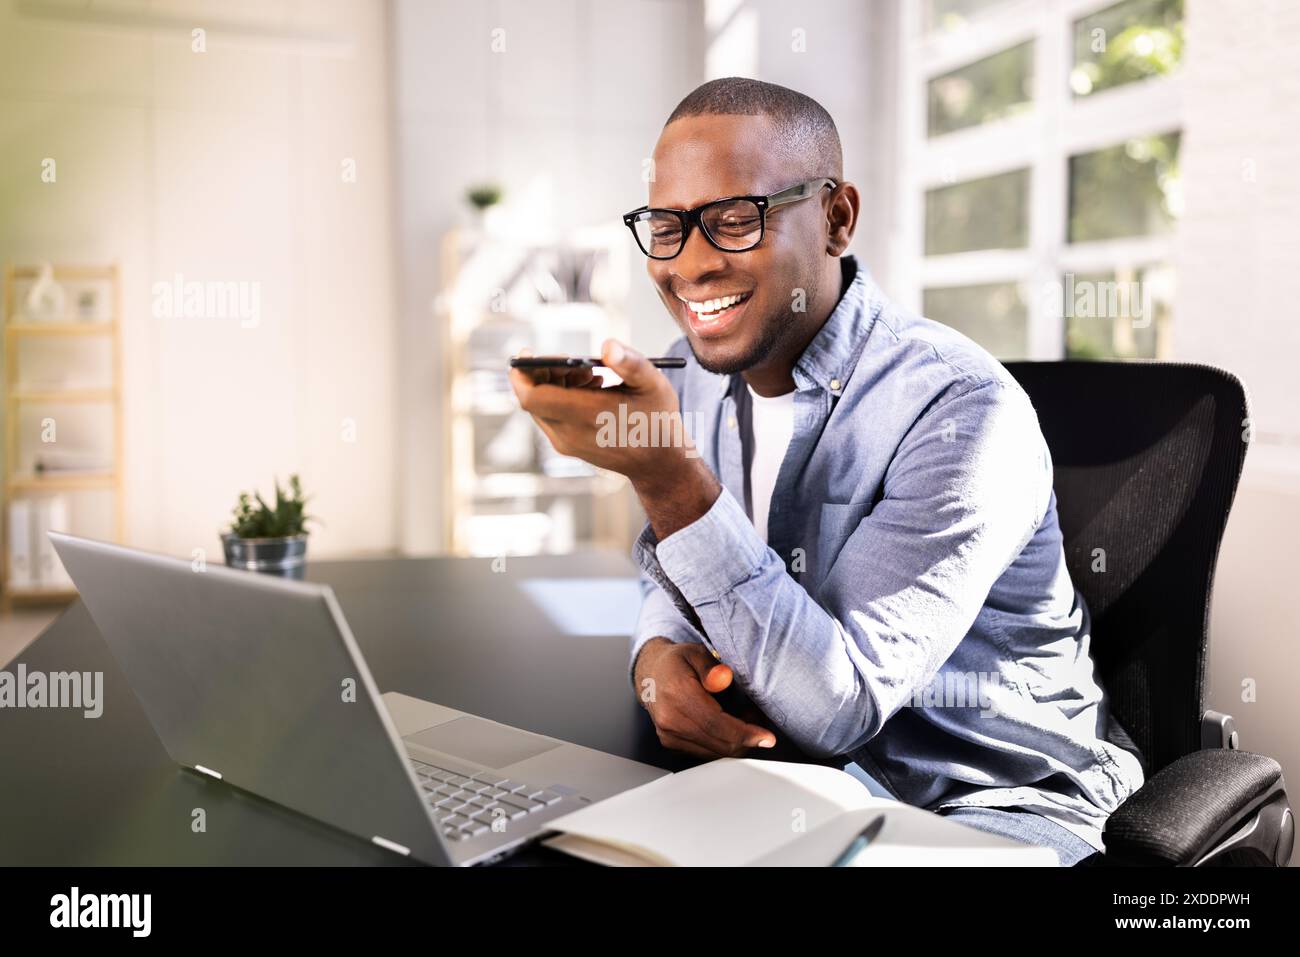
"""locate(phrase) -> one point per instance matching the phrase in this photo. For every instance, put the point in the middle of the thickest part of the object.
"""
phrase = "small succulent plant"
(253, 518)
(483, 195)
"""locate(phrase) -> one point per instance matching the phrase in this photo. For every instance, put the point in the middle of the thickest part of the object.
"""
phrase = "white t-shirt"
(772, 420)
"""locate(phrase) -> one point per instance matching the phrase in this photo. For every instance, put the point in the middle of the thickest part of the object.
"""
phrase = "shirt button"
(731, 421)
(835, 385)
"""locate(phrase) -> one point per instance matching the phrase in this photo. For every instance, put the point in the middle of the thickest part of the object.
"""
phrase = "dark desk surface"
(81, 791)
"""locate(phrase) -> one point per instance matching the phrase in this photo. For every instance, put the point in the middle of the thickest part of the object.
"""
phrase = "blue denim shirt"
(911, 609)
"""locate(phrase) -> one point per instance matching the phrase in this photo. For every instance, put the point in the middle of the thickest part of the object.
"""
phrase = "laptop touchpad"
(482, 742)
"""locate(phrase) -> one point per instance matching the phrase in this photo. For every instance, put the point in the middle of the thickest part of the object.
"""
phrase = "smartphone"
(577, 362)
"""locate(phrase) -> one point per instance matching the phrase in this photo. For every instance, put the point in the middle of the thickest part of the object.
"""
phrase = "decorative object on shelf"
(33, 563)
(66, 361)
(46, 301)
(19, 554)
(88, 304)
(269, 540)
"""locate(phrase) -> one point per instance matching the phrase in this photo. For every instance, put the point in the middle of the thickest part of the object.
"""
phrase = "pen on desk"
(865, 837)
(579, 362)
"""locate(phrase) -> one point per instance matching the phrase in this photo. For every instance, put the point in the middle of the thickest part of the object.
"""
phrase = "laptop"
(257, 680)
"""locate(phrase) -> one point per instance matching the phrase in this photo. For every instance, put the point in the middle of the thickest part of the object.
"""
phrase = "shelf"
(63, 395)
(36, 595)
(67, 272)
(478, 402)
(97, 328)
(27, 338)
(61, 481)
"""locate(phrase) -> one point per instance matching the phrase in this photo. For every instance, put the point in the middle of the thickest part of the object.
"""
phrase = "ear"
(842, 218)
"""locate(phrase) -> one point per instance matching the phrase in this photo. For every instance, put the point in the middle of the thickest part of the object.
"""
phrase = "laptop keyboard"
(466, 806)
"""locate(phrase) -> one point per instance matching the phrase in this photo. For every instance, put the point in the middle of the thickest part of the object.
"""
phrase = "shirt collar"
(830, 357)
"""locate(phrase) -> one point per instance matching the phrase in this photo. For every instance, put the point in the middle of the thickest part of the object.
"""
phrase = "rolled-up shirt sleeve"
(967, 487)
(659, 618)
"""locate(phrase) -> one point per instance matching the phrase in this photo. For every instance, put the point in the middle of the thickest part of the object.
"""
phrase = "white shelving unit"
(506, 491)
(79, 333)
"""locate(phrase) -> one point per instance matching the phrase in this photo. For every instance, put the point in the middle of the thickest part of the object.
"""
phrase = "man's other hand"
(676, 682)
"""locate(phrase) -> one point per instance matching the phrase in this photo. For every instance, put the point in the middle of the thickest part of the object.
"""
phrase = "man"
(864, 531)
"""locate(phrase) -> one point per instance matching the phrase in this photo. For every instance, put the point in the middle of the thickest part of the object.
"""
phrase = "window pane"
(987, 89)
(994, 315)
(1132, 189)
(988, 213)
(1127, 42)
(949, 15)
(1118, 315)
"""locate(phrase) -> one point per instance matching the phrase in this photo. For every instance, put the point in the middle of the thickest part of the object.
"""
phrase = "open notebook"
(747, 812)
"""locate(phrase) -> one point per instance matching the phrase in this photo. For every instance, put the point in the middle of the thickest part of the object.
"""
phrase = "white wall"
(841, 53)
(223, 166)
(567, 109)
(1238, 279)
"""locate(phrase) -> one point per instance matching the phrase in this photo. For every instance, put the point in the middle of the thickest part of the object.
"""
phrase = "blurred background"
(251, 238)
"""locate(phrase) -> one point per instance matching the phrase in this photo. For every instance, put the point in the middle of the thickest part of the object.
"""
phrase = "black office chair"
(1147, 458)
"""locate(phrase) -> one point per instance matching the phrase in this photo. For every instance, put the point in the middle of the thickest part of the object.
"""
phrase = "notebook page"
(724, 813)
(910, 837)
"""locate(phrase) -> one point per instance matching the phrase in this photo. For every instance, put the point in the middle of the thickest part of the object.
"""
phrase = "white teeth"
(713, 305)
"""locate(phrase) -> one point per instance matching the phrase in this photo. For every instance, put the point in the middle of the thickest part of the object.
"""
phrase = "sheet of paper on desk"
(911, 837)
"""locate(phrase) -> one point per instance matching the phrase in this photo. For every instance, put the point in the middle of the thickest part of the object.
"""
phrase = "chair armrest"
(1181, 812)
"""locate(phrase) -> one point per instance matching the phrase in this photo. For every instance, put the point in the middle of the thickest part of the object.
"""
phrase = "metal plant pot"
(286, 557)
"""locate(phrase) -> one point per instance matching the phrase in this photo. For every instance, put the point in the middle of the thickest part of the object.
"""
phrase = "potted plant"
(483, 198)
(266, 539)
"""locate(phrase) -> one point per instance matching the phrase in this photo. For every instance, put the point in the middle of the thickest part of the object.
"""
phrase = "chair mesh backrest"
(1147, 457)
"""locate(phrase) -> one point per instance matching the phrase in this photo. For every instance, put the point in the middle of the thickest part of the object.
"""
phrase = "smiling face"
(737, 310)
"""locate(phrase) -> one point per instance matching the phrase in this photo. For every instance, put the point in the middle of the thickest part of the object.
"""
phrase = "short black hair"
(807, 130)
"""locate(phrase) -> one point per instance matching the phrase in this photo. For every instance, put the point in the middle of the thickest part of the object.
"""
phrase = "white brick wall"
(1239, 274)
(1239, 244)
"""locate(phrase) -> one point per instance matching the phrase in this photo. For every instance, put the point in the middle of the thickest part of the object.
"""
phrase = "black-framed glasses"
(734, 224)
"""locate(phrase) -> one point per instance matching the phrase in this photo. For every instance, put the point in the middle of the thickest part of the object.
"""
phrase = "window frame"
(1042, 138)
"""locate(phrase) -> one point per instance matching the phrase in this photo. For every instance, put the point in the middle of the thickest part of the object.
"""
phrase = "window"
(954, 14)
(1040, 172)
(986, 213)
(996, 86)
(993, 314)
(1117, 315)
(1130, 41)
(1130, 189)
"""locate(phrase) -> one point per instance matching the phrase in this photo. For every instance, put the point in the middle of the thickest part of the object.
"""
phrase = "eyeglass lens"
(735, 225)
